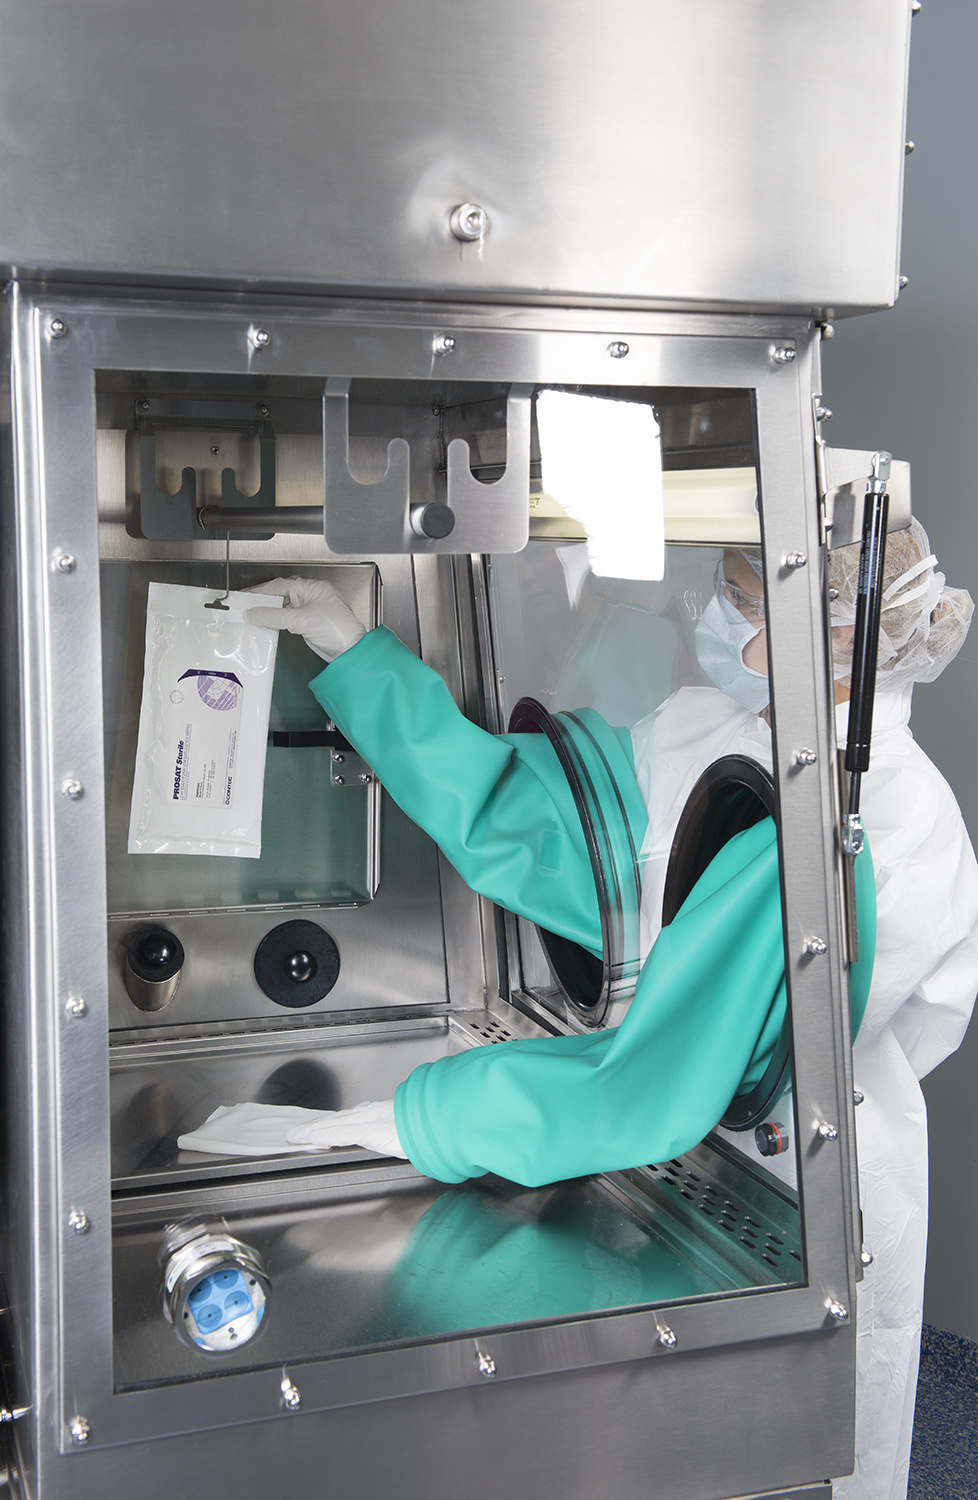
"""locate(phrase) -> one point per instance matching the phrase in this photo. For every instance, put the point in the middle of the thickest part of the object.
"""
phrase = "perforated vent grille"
(740, 1223)
(490, 1031)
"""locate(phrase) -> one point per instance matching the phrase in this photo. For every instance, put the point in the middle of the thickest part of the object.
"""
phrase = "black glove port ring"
(589, 984)
(732, 795)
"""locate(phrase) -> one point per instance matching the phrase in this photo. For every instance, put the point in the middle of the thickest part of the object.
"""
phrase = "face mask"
(721, 635)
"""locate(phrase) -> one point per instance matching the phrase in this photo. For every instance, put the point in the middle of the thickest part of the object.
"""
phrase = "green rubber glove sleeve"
(542, 1110)
(498, 806)
(710, 1000)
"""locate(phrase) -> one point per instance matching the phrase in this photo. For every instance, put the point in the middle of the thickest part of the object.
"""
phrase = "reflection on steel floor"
(418, 1259)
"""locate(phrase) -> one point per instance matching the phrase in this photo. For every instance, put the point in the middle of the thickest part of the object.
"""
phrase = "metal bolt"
(833, 595)
(796, 560)
(78, 1221)
(58, 328)
(823, 414)
(909, 147)
(64, 562)
(75, 1007)
(338, 760)
(144, 406)
(838, 1312)
(827, 1131)
(805, 758)
(828, 331)
(262, 409)
(215, 449)
(81, 1431)
(853, 835)
(469, 221)
(73, 789)
(816, 946)
(866, 1256)
(903, 281)
(618, 349)
(338, 780)
(291, 1395)
(442, 343)
(784, 355)
(858, 1096)
(666, 1338)
(486, 1365)
(915, 8)
(366, 777)
(261, 338)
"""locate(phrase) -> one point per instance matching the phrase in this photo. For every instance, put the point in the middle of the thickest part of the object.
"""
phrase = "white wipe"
(203, 726)
(249, 1130)
(602, 462)
(270, 1129)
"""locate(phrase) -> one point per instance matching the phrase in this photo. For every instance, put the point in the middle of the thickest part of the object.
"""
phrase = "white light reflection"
(602, 463)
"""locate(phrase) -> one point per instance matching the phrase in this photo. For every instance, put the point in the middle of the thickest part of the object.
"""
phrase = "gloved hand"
(317, 613)
(368, 1125)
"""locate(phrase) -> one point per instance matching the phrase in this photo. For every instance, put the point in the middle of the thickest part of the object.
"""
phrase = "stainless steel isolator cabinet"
(283, 289)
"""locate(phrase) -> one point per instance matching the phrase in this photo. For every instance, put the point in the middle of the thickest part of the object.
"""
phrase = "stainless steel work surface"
(356, 1267)
(690, 154)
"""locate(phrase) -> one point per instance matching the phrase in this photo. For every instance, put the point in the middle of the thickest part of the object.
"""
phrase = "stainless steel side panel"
(745, 155)
(24, 1146)
(664, 1427)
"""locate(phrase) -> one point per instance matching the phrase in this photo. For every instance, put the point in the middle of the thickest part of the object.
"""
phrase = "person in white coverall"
(926, 969)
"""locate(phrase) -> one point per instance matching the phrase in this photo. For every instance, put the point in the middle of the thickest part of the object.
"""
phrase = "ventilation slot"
(706, 1198)
(492, 1031)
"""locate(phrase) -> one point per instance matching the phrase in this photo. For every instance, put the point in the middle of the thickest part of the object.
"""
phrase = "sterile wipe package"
(203, 725)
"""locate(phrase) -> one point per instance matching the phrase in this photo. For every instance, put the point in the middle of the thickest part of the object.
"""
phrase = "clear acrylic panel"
(677, 669)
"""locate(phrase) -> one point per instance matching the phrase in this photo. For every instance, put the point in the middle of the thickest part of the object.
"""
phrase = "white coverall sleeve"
(926, 966)
(923, 989)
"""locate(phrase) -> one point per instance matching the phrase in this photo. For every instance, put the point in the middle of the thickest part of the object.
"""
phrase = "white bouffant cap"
(923, 623)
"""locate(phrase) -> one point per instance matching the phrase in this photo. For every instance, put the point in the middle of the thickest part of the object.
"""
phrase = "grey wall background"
(907, 380)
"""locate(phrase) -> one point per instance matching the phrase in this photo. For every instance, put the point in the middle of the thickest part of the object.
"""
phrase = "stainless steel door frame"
(750, 1422)
(59, 1074)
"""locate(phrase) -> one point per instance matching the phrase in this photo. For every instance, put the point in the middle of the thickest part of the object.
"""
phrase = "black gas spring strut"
(865, 645)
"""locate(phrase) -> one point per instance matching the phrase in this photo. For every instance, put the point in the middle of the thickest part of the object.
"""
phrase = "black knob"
(434, 520)
(297, 963)
(157, 949)
(438, 520)
(771, 1139)
(301, 967)
(156, 955)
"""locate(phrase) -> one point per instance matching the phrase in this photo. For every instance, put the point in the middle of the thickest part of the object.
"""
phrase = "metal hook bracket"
(380, 517)
(165, 517)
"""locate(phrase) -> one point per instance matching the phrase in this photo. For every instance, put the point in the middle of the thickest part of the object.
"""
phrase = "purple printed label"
(219, 690)
(203, 727)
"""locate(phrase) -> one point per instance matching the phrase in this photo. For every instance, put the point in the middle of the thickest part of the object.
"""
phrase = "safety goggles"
(751, 606)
